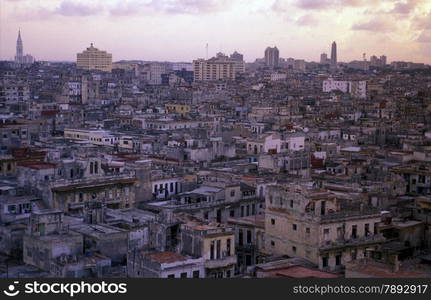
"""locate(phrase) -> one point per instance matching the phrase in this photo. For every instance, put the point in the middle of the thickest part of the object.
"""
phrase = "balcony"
(353, 242)
(220, 263)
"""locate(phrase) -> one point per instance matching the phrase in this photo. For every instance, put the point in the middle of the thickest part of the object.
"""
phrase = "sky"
(178, 30)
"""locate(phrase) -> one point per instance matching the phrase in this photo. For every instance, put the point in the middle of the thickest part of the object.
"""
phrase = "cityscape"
(218, 167)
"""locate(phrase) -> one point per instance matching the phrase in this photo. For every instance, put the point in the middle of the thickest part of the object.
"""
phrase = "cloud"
(407, 7)
(425, 37)
(190, 7)
(307, 20)
(74, 9)
(422, 22)
(314, 4)
(279, 6)
(376, 25)
(333, 4)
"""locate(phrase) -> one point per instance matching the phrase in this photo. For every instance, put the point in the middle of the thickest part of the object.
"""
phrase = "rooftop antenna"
(206, 51)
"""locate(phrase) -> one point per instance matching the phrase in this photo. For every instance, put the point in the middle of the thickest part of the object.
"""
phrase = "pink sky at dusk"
(178, 30)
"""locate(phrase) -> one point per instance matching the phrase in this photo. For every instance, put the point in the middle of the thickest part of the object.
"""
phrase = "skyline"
(302, 29)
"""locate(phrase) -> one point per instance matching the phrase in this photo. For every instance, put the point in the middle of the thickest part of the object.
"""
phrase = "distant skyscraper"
(19, 49)
(323, 58)
(238, 58)
(94, 59)
(20, 57)
(334, 54)
(272, 57)
(383, 60)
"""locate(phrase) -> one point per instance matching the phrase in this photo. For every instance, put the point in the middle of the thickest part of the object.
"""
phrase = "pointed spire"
(19, 34)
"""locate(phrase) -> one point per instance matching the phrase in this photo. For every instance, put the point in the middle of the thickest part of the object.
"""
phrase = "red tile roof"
(166, 257)
(37, 165)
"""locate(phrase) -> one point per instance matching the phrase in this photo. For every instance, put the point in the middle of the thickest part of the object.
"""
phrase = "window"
(206, 215)
(248, 210)
(324, 261)
(242, 211)
(291, 203)
(196, 274)
(323, 208)
(228, 246)
(232, 213)
(354, 254)
(228, 274)
(171, 187)
(232, 193)
(248, 236)
(272, 243)
(218, 252)
(338, 259)
(183, 275)
(212, 250)
(294, 227)
(171, 276)
(354, 231)
(272, 221)
(11, 208)
(240, 237)
(375, 227)
(307, 230)
(253, 209)
(367, 229)
(294, 249)
(326, 234)
(339, 232)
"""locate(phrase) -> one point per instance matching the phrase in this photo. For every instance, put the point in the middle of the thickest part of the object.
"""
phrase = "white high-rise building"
(216, 68)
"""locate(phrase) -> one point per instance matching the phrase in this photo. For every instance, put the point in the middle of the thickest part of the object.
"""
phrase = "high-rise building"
(383, 60)
(272, 57)
(94, 59)
(238, 58)
(216, 68)
(378, 61)
(324, 58)
(19, 49)
(334, 54)
(151, 73)
(19, 56)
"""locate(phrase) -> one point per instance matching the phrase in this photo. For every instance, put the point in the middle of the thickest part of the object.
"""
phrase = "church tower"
(19, 49)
